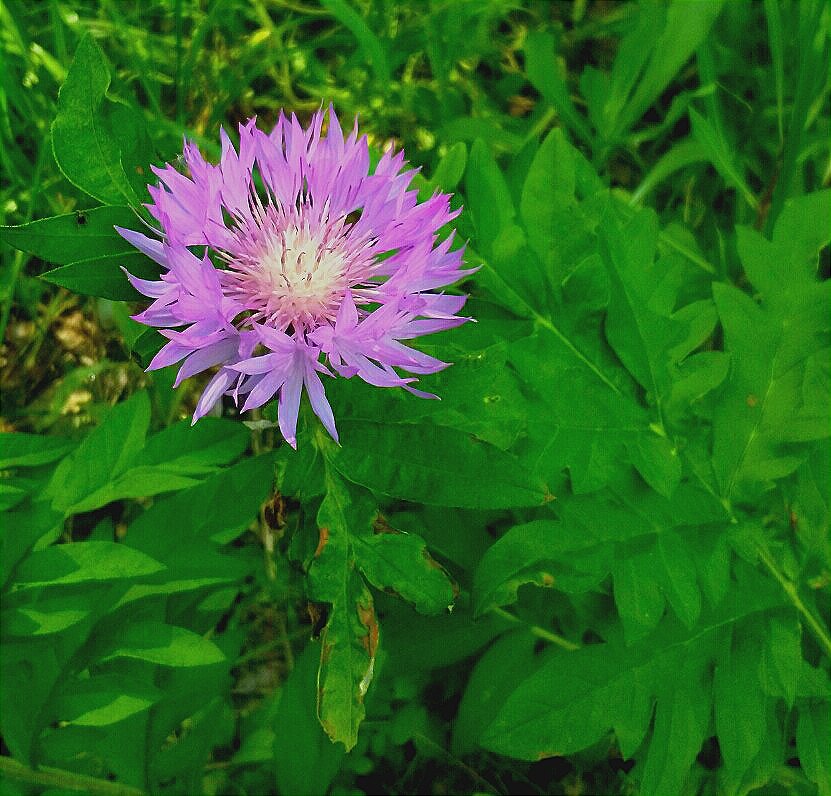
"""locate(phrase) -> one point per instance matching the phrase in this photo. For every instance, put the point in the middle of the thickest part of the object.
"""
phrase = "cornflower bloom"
(292, 258)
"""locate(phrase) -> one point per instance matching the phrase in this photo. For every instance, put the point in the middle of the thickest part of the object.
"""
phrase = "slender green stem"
(791, 591)
(536, 630)
(64, 780)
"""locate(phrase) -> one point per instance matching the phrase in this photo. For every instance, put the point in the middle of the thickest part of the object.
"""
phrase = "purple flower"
(326, 267)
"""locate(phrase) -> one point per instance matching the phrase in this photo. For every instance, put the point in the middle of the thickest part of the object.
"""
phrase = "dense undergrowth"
(599, 565)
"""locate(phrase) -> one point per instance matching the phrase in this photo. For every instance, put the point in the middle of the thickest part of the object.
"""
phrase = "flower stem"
(64, 780)
(536, 630)
(792, 592)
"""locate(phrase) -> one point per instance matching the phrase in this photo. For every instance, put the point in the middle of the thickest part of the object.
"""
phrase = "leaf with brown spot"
(400, 561)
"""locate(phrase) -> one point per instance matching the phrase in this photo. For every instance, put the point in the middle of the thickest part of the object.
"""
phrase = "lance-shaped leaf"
(73, 236)
(164, 644)
(89, 134)
(80, 562)
(104, 699)
(350, 639)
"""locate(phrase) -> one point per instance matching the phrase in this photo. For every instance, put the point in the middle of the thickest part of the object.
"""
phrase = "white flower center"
(291, 277)
(303, 271)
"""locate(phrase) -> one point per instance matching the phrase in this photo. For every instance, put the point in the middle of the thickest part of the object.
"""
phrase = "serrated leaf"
(612, 686)
(79, 562)
(400, 562)
(644, 325)
(762, 404)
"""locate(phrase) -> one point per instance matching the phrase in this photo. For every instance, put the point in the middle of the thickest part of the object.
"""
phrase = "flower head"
(325, 267)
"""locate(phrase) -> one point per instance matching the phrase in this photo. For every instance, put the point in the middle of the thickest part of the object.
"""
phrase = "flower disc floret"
(326, 266)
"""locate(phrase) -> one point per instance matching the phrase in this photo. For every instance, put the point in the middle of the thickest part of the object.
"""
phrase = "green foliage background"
(623, 495)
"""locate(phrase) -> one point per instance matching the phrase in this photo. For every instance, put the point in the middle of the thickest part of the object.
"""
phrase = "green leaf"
(79, 562)
(400, 562)
(587, 424)
(781, 658)
(813, 739)
(350, 639)
(434, 465)
(489, 200)
(45, 617)
(545, 74)
(194, 449)
(682, 718)
(220, 508)
(525, 554)
(103, 277)
(739, 706)
(687, 25)
(720, 154)
(371, 45)
(509, 659)
(765, 404)
(550, 215)
(638, 595)
(451, 167)
(682, 154)
(347, 662)
(31, 450)
(305, 760)
(104, 699)
(612, 686)
(676, 572)
(73, 236)
(647, 330)
(103, 455)
(166, 645)
(84, 140)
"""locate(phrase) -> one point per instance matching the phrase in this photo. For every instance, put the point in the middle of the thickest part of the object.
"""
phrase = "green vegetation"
(599, 565)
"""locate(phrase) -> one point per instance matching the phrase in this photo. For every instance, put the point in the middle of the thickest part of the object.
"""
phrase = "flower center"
(303, 272)
(291, 277)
